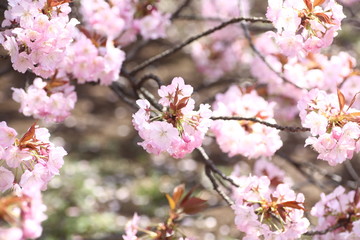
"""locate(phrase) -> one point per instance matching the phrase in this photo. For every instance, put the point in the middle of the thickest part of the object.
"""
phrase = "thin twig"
(350, 168)
(178, 47)
(210, 163)
(332, 228)
(119, 91)
(180, 9)
(272, 125)
(147, 77)
(201, 18)
(148, 96)
(298, 167)
(208, 172)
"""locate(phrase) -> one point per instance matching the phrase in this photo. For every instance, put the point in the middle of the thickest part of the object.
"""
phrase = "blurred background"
(107, 176)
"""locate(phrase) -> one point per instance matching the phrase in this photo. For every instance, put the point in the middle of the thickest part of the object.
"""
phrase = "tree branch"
(208, 173)
(282, 128)
(178, 47)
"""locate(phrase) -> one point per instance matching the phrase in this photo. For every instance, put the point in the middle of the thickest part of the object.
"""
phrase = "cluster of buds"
(178, 129)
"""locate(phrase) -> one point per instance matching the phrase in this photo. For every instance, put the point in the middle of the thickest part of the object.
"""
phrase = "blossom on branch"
(39, 34)
(245, 137)
(51, 101)
(334, 126)
(123, 20)
(29, 163)
(338, 208)
(178, 129)
(304, 25)
(266, 213)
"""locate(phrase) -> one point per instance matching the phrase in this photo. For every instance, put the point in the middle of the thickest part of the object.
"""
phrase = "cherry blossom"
(39, 35)
(123, 20)
(247, 138)
(50, 101)
(266, 213)
(27, 213)
(335, 208)
(177, 130)
(334, 127)
(304, 26)
(30, 162)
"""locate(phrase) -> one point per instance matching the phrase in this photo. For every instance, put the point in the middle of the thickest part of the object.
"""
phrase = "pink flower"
(304, 26)
(334, 132)
(6, 179)
(179, 129)
(247, 138)
(263, 212)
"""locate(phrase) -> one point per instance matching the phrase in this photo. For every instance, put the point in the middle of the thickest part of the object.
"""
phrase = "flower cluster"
(264, 213)
(51, 101)
(26, 166)
(124, 19)
(21, 216)
(315, 70)
(334, 128)
(221, 52)
(304, 26)
(177, 130)
(335, 208)
(91, 58)
(30, 162)
(244, 137)
(39, 34)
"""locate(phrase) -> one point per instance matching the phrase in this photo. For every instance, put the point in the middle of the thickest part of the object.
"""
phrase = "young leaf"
(178, 192)
(318, 2)
(171, 201)
(30, 134)
(194, 205)
(353, 100)
(341, 100)
(309, 5)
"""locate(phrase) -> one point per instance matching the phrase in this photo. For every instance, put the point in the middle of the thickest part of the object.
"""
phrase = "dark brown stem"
(272, 125)
(178, 47)
(208, 162)
(180, 9)
(208, 172)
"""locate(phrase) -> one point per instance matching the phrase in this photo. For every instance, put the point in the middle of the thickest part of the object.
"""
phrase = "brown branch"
(178, 47)
(148, 77)
(208, 162)
(272, 125)
(332, 228)
(208, 172)
(180, 9)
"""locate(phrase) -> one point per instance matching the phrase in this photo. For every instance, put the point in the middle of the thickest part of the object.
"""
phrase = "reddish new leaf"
(341, 100)
(30, 134)
(291, 204)
(178, 192)
(318, 2)
(282, 213)
(308, 4)
(194, 205)
(353, 100)
(54, 3)
(324, 18)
